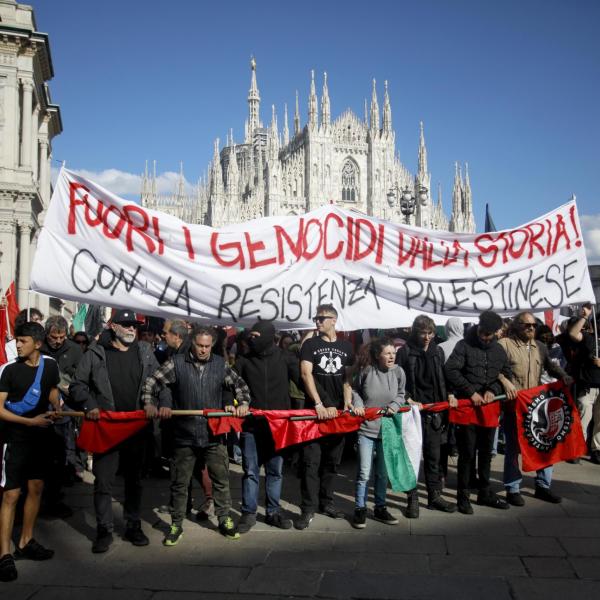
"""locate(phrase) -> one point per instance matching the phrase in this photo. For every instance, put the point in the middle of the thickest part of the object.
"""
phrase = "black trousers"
(319, 462)
(472, 441)
(129, 455)
(434, 455)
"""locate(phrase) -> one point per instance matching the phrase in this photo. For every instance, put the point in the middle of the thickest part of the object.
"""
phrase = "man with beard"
(325, 366)
(472, 371)
(423, 363)
(267, 369)
(109, 377)
(528, 359)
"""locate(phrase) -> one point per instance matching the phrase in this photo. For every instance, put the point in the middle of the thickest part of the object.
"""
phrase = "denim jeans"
(367, 447)
(254, 454)
(512, 473)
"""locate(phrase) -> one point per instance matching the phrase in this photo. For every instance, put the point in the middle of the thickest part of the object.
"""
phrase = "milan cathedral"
(349, 161)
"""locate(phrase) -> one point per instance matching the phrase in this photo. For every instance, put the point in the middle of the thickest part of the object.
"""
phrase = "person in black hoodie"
(267, 369)
(423, 362)
(472, 371)
(109, 377)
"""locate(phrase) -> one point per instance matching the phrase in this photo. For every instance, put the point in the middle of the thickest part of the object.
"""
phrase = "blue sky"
(510, 87)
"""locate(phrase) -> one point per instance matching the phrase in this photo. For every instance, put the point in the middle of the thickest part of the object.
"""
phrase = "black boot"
(412, 507)
(436, 502)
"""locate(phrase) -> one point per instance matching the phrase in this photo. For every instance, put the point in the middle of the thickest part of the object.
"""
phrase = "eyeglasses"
(320, 318)
(527, 325)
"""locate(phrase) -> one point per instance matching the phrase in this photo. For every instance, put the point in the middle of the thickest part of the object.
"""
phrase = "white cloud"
(590, 225)
(122, 183)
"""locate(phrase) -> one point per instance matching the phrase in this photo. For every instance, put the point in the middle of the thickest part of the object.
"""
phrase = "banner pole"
(218, 414)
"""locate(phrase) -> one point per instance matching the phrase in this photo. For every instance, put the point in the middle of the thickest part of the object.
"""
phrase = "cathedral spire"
(274, 128)
(286, 130)
(325, 106)
(145, 185)
(313, 117)
(153, 186)
(366, 114)
(387, 111)
(253, 103)
(297, 117)
(422, 154)
(455, 218)
(180, 183)
(216, 174)
(374, 110)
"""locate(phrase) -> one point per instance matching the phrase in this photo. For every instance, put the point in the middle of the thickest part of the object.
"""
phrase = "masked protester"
(268, 370)
(472, 371)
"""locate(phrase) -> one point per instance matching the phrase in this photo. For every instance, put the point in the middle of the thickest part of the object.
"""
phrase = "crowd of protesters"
(129, 366)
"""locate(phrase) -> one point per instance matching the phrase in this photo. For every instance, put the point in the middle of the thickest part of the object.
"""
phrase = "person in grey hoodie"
(379, 384)
(455, 331)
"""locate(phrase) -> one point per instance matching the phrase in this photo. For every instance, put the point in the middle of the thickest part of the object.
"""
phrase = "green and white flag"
(402, 448)
(79, 318)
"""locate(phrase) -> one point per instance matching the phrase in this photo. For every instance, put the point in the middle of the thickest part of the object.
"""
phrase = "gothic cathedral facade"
(350, 162)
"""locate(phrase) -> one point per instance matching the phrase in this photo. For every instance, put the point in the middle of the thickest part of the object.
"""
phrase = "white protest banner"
(98, 248)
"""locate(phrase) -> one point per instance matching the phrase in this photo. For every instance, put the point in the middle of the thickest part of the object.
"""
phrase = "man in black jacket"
(109, 377)
(423, 363)
(472, 371)
(267, 369)
(197, 380)
(67, 465)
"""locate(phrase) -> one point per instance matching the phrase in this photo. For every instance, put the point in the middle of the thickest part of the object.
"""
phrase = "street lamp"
(408, 201)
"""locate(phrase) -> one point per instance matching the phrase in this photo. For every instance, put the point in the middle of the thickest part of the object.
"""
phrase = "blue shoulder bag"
(32, 395)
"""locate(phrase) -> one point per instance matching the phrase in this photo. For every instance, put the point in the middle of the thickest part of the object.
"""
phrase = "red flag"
(110, 430)
(286, 432)
(12, 308)
(549, 426)
(3, 334)
(486, 415)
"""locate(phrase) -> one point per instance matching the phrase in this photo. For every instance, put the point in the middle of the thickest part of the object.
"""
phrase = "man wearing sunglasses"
(325, 362)
(109, 377)
(528, 359)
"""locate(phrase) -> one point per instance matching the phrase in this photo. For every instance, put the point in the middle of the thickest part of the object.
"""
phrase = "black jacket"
(268, 376)
(407, 358)
(474, 368)
(91, 387)
(67, 356)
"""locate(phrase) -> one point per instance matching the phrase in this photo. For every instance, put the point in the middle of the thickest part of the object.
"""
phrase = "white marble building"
(348, 161)
(28, 122)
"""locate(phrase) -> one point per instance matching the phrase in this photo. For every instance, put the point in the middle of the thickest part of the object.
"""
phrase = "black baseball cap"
(124, 316)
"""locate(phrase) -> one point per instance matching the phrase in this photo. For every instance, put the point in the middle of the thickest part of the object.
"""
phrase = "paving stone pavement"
(540, 551)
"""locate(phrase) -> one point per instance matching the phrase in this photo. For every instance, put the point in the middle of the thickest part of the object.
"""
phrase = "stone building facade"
(348, 161)
(28, 122)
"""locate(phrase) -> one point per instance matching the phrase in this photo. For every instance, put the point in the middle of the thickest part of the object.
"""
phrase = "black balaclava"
(260, 344)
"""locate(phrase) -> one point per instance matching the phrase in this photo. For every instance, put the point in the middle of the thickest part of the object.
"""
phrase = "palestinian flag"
(402, 448)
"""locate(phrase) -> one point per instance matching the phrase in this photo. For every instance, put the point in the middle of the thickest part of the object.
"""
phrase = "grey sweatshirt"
(380, 389)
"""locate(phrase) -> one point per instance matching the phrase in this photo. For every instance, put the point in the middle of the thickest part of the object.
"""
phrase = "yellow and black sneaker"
(228, 528)
(174, 535)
